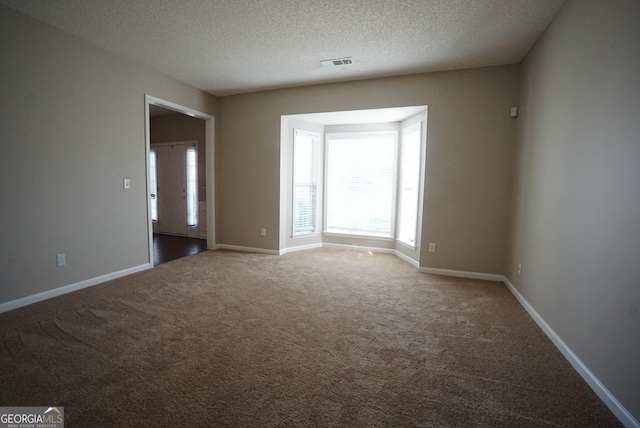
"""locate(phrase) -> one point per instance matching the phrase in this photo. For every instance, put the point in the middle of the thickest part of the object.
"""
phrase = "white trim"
(406, 258)
(360, 236)
(209, 165)
(300, 248)
(308, 235)
(601, 391)
(176, 107)
(246, 249)
(147, 150)
(400, 156)
(34, 298)
(316, 138)
(463, 274)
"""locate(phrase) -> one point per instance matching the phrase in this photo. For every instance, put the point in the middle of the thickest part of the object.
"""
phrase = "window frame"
(415, 127)
(153, 184)
(316, 161)
(382, 134)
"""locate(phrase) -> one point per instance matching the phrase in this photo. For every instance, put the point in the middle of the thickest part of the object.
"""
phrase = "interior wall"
(576, 227)
(72, 128)
(470, 152)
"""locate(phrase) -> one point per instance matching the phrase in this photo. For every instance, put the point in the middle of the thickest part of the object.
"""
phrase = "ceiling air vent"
(336, 62)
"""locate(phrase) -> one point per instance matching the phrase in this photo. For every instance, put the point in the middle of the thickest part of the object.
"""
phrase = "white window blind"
(305, 185)
(192, 187)
(409, 184)
(153, 184)
(361, 177)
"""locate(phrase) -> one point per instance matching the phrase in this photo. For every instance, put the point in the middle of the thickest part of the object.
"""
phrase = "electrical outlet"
(61, 259)
(263, 231)
(519, 268)
(432, 247)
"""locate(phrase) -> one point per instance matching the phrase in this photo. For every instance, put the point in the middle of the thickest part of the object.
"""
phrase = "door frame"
(189, 143)
(209, 166)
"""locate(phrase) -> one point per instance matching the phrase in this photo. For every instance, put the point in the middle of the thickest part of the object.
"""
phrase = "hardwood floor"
(169, 247)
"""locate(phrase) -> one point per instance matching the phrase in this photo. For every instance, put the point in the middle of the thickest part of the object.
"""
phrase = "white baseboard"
(300, 248)
(247, 249)
(407, 259)
(34, 298)
(611, 402)
(463, 274)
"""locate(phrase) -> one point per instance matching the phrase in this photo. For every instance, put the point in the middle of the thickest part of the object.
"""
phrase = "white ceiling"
(233, 46)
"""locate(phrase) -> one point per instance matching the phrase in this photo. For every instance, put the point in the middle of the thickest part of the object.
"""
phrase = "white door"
(172, 189)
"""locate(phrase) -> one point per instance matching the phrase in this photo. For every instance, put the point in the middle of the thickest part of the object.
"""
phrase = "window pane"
(305, 147)
(409, 185)
(192, 187)
(360, 184)
(153, 184)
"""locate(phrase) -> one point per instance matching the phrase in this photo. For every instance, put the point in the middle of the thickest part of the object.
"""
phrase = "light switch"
(127, 183)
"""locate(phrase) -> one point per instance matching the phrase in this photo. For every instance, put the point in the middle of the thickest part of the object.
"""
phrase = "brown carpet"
(312, 339)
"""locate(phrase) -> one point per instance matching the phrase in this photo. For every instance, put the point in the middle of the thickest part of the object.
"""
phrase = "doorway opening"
(179, 147)
(175, 204)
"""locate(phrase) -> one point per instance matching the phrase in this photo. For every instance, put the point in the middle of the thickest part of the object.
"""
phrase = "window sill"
(305, 235)
(360, 235)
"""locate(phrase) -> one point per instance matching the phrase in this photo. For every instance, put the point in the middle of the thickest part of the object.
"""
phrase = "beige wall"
(180, 127)
(470, 149)
(576, 223)
(72, 128)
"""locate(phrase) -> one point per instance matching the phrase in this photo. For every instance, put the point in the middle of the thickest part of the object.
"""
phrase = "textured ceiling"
(234, 46)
